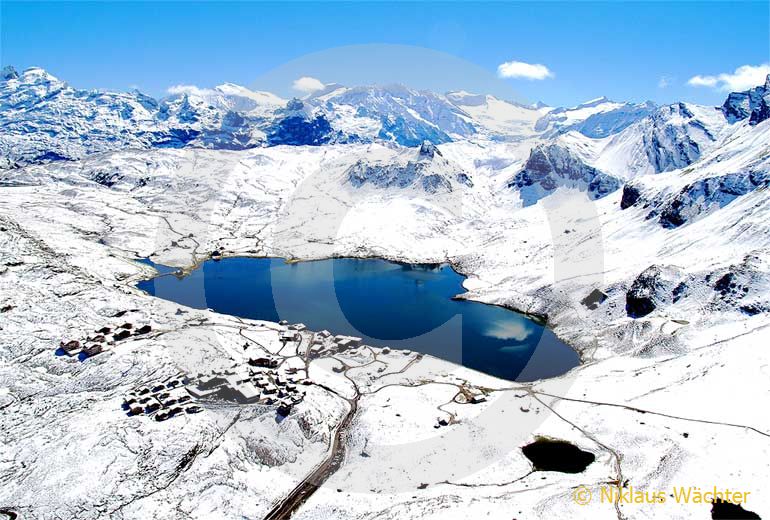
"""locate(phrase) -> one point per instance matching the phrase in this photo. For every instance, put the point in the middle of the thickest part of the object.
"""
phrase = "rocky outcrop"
(552, 166)
(753, 104)
(8, 73)
(706, 195)
(674, 138)
(297, 127)
(429, 171)
(742, 286)
(655, 286)
(696, 199)
(631, 195)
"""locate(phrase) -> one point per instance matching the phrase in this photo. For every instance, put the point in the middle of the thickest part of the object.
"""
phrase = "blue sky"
(626, 51)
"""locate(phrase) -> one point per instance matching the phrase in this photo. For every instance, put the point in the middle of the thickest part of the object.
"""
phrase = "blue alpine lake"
(403, 306)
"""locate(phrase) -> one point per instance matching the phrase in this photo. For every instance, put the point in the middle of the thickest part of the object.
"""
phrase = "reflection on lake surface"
(388, 304)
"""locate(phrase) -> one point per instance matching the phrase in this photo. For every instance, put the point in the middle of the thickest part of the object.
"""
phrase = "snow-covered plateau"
(642, 233)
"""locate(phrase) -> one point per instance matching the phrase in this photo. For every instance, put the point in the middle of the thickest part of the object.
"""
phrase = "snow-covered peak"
(500, 118)
(598, 117)
(229, 97)
(465, 98)
(423, 169)
(329, 91)
(260, 98)
(593, 102)
(36, 75)
(393, 113)
(31, 85)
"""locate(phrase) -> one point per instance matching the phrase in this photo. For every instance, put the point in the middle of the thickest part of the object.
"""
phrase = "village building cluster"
(101, 340)
(259, 378)
(257, 382)
(324, 343)
(162, 400)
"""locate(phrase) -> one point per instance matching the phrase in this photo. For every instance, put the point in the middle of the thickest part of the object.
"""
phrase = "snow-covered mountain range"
(595, 146)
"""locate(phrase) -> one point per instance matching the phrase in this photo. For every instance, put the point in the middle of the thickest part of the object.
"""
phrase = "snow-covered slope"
(671, 137)
(596, 118)
(739, 166)
(394, 113)
(670, 343)
(501, 119)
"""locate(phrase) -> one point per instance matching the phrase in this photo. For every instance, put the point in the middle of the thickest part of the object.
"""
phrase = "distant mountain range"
(596, 146)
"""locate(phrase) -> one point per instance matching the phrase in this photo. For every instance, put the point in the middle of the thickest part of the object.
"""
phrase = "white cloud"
(508, 330)
(664, 82)
(703, 81)
(307, 84)
(190, 90)
(743, 78)
(519, 69)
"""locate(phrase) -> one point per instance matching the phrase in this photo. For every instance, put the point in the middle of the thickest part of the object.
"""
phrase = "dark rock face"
(594, 299)
(656, 285)
(50, 157)
(639, 305)
(739, 286)
(631, 195)
(753, 104)
(176, 138)
(671, 146)
(551, 166)
(298, 129)
(428, 149)
(715, 192)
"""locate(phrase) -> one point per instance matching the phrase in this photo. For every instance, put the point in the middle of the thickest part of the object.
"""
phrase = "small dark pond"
(722, 510)
(554, 455)
(388, 304)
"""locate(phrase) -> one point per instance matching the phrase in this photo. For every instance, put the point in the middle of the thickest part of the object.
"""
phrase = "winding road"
(284, 509)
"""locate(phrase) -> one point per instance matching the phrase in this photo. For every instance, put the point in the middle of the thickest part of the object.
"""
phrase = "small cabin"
(284, 408)
(93, 349)
(123, 334)
(264, 362)
(144, 329)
